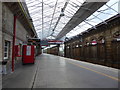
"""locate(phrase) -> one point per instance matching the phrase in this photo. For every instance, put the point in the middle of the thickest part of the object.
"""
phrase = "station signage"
(94, 42)
(55, 42)
(49, 42)
(44, 43)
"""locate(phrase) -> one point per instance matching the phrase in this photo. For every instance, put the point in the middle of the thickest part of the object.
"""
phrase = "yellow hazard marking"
(114, 78)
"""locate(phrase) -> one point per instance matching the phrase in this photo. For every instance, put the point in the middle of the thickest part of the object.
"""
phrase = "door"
(116, 52)
(101, 51)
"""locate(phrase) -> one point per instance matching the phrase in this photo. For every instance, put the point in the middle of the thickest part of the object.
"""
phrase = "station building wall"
(0, 31)
(7, 36)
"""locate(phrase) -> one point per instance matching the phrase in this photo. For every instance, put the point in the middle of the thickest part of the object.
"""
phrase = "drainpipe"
(13, 46)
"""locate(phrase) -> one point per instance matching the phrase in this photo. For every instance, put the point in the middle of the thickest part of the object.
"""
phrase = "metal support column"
(13, 46)
(42, 22)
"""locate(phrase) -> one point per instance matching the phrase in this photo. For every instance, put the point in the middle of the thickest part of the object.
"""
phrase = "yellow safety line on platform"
(114, 78)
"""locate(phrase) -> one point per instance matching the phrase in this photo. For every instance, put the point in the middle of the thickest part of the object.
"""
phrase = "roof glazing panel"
(48, 22)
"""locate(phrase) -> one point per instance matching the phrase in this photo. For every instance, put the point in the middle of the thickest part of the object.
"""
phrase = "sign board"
(28, 52)
(44, 43)
(55, 42)
(94, 42)
(48, 42)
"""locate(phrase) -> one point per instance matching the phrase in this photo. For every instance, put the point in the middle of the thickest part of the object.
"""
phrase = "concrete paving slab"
(58, 72)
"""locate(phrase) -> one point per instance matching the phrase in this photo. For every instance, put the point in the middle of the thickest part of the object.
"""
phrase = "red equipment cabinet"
(28, 54)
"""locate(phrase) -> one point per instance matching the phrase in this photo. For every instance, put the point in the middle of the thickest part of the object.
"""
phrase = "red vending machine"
(28, 54)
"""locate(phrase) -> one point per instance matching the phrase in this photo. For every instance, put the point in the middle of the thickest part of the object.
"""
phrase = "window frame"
(7, 51)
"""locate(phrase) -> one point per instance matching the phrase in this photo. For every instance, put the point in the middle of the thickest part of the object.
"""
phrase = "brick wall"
(106, 53)
(0, 31)
(21, 34)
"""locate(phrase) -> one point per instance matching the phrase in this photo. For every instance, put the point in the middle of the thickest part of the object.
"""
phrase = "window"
(6, 49)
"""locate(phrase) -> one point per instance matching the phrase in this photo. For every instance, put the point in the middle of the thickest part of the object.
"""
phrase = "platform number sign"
(28, 52)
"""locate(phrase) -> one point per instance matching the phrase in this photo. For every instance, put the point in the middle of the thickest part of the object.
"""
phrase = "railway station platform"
(51, 71)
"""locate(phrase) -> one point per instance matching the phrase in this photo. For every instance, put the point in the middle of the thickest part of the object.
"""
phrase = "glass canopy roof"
(50, 16)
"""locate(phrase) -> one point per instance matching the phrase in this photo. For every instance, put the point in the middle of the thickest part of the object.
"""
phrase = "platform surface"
(51, 71)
